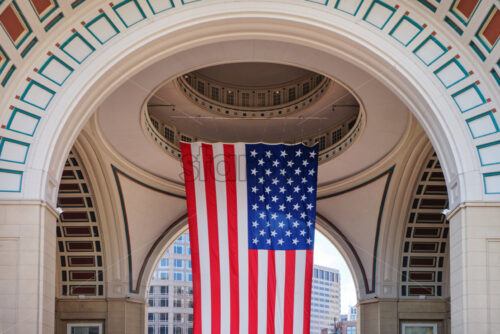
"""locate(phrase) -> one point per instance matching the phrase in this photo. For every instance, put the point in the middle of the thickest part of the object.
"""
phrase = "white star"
(262, 198)
(268, 172)
(255, 224)
(267, 190)
(304, 180)
(282, 207)
(303, 197)
(268, 241)
(268, 224)
(261, 162)
(309, 240)
(280, 242)
(274, 198)
(296, 206)
(281, 224)
(255, 240)
(253, 153)
(273, 233)
(312, 154)
(276, 163)
(262, 232)
(255, 207)
(296, 189)
(290, 163)
(303, 232)
(309, 223)
(295, 224)
(274, 215)
(295, 241)
(289, 181)
(298, 153)
(262, 215)
(288, 216)
(303, 215)
(288, 233)
(261, 180)
(289, 198)
(297, 171)
(309, 206)
(268, 154)
(275, 181)
(254, 189)
(268, 207)
(312, 172)
(253, 171)
(310, 189)
(283, 171)
(305, 163)
(282, 190)
(283, 153)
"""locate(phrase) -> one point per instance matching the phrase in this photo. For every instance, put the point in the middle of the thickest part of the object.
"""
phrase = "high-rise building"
(325, 299)
(170, 301)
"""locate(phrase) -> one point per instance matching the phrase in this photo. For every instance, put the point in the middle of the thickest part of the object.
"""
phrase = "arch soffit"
(456, 106)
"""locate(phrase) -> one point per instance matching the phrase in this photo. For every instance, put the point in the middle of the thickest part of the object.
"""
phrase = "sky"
(326, 254)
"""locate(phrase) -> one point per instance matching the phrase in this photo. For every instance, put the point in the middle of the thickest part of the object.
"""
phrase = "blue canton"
(281, 181)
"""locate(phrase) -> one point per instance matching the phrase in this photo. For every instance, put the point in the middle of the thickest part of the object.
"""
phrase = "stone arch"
(91, 61)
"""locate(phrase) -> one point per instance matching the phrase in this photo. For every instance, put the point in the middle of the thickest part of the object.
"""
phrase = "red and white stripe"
(237, 290)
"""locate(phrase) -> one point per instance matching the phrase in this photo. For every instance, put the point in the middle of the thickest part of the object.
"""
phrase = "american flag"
(251, 210)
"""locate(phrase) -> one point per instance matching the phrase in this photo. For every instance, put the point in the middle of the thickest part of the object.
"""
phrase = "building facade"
(325, 299)
(170, 299)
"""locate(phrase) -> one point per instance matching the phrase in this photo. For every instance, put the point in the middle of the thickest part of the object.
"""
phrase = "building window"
(336, 136)
(180, 239)
(177, 302)
(188, 264)
(95, 328)
(186, 139)
(305, 88)
(163, 329)
(291, 94)
(190, 330)
(151, 329)
(179, 264)
(151, 290)
(155, 123)
(163, 290)
(178, 249)
(201, 87)
(163, 316)
(163, 302)
(230, 98)
(177, 330)
(178, 276)
(190, 317)
(188, 250)
(261, 99)
(245, 99)
(189, 277)
(276, 98)
(215, 93)
(178, 290)
(169, 135)
(151, 316)
(177, 317)
(151, 302)
(163, 275)
(321, 145)
(164, 263)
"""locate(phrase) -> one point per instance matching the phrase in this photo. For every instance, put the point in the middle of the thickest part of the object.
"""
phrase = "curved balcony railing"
(253, 102)
(332, 142)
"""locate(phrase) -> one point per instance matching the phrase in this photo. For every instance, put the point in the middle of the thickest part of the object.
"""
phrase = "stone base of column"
(117, 315)
(27, 267)
(387, 316)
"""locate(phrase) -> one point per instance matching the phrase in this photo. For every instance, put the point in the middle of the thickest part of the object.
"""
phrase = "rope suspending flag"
(251, 213)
